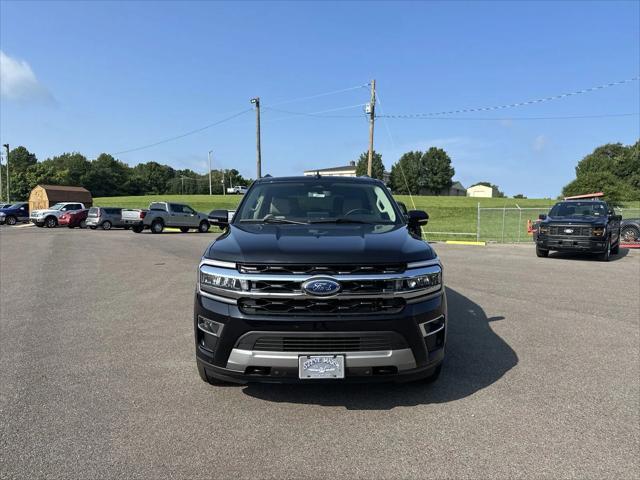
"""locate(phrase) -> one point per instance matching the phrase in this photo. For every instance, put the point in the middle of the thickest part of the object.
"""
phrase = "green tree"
(438, 172)
(405, 173)
(106, 176)
(20, 159)
(613, 169)
(377, 167)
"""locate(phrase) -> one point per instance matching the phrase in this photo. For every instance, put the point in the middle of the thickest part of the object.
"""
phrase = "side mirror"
(219, 218)
(542, 216)
(418, 218)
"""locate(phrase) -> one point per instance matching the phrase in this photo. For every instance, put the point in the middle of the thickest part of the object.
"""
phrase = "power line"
(393, 145)
(566, 117)
(333, 92)
(518, 104)
(191, 132)
(318, 114)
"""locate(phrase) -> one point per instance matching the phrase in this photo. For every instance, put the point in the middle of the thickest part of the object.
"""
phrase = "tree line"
(613, 168)
(107, 177)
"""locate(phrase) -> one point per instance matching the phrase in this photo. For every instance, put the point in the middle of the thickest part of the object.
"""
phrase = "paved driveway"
(98, 377)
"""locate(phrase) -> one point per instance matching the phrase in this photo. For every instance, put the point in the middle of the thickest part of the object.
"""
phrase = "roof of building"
(458, 185)
(344, 168)
(64, 188)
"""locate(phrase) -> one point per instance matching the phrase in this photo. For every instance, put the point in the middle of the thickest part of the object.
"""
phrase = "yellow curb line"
(461, 242)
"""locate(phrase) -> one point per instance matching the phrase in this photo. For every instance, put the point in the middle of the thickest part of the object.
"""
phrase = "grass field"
(458, 216)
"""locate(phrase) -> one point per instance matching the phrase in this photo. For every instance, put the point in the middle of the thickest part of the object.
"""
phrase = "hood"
(578, 220)
(34, 212)
(300, 244)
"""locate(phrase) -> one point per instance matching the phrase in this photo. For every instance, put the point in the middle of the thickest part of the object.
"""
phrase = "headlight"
(543, 229)
(429, 281)
(222, 281)
(598, 231)
(2, 214)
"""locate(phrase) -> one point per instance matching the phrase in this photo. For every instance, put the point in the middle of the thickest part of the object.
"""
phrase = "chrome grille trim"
(298, 293)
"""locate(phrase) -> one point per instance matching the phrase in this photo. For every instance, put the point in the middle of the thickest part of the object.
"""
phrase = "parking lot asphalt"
(98, 379)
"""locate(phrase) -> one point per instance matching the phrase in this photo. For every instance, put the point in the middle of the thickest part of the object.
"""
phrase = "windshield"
(324, 201)
(16, 205)
(57, 206)
(578, 209)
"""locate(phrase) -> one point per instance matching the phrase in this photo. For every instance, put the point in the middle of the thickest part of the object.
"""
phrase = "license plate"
(321, 366)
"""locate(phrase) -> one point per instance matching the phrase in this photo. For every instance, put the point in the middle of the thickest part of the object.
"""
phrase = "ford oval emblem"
(321, 287)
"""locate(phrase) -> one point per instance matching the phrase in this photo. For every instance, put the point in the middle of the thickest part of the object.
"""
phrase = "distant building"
(44, 196)
(455, 190)
(480, 191)
(345, 171)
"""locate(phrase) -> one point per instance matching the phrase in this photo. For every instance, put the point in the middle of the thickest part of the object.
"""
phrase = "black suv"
(579, 226)
(319, 279)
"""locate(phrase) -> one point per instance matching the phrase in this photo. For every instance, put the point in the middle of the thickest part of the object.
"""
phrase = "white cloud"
(18, 82)
(539, 143)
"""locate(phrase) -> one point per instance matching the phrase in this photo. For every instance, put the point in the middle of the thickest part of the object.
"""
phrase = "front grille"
(576, 231)
(335, 342)
(306, 269)
(357, 287)
(318, 307)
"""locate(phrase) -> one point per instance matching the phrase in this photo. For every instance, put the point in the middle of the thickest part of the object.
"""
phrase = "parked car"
(579, 226)
(237, 190)
(319, 278)
(105, 218)
(74, 218)
(12, 214)
(166, 214)
(630, 230)
(49, 217)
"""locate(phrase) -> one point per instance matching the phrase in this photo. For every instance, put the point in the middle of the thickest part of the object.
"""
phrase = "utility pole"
(6, 145)
(0, 176)
(210, 189)
(256, 102)
(372, 117)
(224, 186)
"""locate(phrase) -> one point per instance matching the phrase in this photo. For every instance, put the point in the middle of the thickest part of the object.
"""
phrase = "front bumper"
(37, 220)
(415, 352)
(572, 244)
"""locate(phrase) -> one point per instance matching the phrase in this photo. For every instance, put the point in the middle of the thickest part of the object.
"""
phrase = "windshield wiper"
(342, 220)
(271, 219)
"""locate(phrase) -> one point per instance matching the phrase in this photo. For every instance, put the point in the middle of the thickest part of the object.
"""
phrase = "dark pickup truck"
(589, 226)
(319, 279)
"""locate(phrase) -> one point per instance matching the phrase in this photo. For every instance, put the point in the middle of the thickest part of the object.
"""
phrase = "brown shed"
(43, 196)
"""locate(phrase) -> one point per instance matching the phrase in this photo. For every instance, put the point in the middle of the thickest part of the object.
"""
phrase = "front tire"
(541, 252)
(83, 224)
(11, 220)
(137, 229)
(204, 226)
(157, 226)
(606, 255)
(51, 222)
(184, 229)
(106, 225)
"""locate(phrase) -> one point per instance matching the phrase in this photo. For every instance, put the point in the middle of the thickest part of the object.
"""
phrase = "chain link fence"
(506, 225)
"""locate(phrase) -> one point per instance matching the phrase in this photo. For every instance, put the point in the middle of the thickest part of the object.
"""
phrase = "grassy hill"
(447, 214)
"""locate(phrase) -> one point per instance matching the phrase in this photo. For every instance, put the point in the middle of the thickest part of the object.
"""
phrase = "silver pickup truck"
(165, 214)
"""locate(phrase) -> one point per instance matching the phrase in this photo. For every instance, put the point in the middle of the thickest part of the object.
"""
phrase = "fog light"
(209, 326)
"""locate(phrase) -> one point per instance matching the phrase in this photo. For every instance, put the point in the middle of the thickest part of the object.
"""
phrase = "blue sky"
(94, 77)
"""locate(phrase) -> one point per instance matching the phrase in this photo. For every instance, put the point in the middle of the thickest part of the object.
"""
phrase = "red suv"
(74, 218)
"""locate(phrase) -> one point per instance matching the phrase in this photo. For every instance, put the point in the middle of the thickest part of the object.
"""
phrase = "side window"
(175, 208)
(188, 210)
